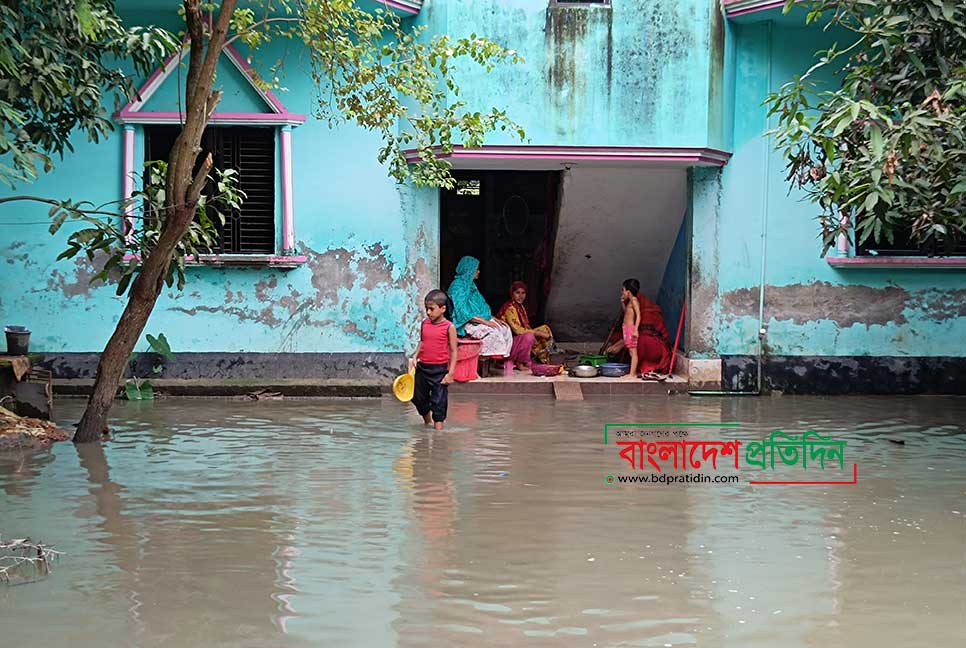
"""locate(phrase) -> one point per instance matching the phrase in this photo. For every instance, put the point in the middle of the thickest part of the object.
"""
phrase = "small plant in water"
(136, 388)
(24, 561)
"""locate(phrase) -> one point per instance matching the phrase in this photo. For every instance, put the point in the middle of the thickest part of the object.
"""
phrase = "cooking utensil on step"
(583, 371)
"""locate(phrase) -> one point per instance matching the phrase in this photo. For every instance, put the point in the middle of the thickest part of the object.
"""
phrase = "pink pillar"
(842, 243)
(288, 207)
(129, 180)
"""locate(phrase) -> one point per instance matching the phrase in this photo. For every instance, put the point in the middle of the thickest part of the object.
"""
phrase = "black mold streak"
(836, 375)
(716, 82)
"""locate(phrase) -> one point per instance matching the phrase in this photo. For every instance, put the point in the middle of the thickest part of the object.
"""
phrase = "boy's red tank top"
(435, 338)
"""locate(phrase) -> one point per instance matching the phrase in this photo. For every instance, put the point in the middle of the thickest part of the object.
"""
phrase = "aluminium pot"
(584, 371)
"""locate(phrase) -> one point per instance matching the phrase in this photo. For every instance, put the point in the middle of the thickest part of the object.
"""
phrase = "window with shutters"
(250, 150)
(903, 245)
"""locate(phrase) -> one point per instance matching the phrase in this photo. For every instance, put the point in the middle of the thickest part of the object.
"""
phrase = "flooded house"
(644, 156)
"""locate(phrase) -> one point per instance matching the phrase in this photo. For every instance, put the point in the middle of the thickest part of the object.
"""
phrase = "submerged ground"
(343, 523)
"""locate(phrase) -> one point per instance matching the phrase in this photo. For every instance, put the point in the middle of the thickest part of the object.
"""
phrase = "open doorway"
(507, 220)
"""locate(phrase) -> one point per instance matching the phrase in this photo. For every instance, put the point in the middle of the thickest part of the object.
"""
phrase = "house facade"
(644, 156)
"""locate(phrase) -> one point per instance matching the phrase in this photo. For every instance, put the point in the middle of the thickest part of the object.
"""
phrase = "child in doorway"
(434, 361)
(632, 320)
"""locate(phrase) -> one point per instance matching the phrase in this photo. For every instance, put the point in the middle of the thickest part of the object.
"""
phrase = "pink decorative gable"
(275, 114)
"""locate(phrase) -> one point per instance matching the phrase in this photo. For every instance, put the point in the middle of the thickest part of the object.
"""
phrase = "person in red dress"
(653, 341)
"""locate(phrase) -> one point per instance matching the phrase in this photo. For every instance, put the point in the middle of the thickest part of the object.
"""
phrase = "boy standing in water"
(632, 320)
(434, 361)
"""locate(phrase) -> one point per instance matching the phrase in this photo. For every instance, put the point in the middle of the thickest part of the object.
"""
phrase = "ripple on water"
(345, 523)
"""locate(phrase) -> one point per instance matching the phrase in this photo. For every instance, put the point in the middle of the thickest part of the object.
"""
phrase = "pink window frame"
(277, 116)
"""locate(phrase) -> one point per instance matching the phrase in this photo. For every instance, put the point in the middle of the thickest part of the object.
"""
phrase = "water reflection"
(347, 523)
(21, 469)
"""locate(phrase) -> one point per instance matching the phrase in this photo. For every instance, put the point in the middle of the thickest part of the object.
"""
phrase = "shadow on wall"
(673, 292)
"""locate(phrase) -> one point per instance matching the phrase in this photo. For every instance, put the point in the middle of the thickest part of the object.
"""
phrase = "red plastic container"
(467, 358)
(545, 369)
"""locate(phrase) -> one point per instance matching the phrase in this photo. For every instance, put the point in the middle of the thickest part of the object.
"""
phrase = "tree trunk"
(110, 369)
(183, 191)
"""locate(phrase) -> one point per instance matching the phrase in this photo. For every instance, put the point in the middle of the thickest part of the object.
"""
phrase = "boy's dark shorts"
(430, 393)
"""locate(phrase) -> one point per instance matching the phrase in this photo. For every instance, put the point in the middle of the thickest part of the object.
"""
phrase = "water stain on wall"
(716, 106)
(349, 286)
(79, 281)
(845, 305)
(703, 319)
(940, 304)
(655, 60)
(579, 45)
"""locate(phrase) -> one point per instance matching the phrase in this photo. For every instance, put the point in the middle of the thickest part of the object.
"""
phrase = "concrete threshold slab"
(528, 385)
(567, 391)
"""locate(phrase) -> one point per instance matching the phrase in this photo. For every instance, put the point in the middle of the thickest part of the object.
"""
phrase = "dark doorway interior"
(248, 150)
(507, 220)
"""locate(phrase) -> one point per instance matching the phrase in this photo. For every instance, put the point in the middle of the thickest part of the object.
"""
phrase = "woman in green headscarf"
(473, 317)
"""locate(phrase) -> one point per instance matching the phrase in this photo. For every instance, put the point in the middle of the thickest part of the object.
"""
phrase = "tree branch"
(254, 26)
(51, 201)
(216, 42)
(74, 208)
(200, 179)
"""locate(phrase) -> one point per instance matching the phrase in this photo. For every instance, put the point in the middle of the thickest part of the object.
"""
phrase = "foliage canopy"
(884, 154)
(58, 61)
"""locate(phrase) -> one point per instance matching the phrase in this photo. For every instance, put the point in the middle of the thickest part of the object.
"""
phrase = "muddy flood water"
(344, 523)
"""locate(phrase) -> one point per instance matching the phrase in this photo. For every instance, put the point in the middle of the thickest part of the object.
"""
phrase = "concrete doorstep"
(561, 387)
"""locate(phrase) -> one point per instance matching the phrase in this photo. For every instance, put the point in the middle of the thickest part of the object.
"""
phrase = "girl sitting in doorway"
(514, 313)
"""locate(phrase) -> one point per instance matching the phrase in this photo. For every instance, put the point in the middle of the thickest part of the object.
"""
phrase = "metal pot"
(584, 371)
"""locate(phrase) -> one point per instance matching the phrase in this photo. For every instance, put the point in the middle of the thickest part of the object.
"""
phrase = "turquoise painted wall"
(237, 94)
(655, 73)
(810, 307)
(630, 73)
(370, 242)
(635, 73)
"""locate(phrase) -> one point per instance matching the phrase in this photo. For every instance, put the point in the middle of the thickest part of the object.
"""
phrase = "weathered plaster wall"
(704, 193)
(371, 246)
(810, 307)
(614, 224)
(656, 73)
(630, 73)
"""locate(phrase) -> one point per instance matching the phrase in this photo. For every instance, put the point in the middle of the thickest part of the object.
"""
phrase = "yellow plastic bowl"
(404, 386)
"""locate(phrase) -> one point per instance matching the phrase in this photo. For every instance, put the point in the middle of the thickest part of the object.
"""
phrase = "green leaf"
(132, 392)
(870, 202)
(917, 62)
(843, 123)
(828, 146)
(85, 17)
(123, 284)
(59, 220)
(949, 10)
(876, 141)
(959, 188)
(160, 345)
